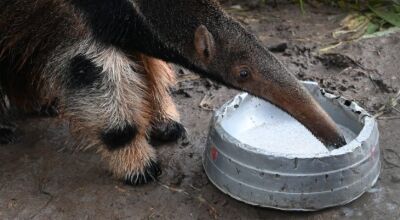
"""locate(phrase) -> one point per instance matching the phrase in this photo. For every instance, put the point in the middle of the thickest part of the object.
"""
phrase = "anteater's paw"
(7, 135)
(149, 174)
(168, 131)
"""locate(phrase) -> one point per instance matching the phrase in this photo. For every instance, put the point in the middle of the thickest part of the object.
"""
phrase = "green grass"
(375, 15)
(381, 14)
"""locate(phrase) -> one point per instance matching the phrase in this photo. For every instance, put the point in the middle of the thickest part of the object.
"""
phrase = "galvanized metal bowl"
(293, 181)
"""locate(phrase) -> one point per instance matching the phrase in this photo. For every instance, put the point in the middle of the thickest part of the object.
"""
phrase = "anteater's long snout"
(298, 102)
(277, 85)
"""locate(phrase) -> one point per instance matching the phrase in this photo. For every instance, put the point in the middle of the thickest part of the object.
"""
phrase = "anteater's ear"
(204, 44)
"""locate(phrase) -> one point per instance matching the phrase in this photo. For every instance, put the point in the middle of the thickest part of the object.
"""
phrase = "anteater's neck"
(160, 28)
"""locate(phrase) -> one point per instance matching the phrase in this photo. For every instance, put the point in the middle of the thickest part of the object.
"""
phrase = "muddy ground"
(41, 177)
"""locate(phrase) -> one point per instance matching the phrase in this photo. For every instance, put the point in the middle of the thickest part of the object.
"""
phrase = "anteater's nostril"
(116, 138)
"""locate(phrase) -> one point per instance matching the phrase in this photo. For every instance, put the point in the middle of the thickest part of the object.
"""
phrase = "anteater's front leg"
(166, 124)
(107, 101)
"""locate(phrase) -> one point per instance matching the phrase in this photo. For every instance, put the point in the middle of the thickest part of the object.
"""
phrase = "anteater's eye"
(244, 73)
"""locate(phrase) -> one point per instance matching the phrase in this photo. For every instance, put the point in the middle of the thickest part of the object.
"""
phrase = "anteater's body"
(50, 49)
(105, 62)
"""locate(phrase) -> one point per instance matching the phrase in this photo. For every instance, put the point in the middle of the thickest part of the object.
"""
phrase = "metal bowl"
(306, 180)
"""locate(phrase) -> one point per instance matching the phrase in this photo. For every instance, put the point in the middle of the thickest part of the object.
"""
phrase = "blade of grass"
(387, 14)
(372, 28)
(301, 2)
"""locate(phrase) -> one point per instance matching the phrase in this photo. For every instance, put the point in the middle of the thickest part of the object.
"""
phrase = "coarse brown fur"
(26, 45)
(35, 50)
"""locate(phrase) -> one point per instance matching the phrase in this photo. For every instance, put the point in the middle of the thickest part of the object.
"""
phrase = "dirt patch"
(345, 73)
(42, 178)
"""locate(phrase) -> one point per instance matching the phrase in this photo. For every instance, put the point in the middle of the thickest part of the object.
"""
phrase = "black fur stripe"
(110, 19)
(116, 23)
(118, 137)
(83, 73)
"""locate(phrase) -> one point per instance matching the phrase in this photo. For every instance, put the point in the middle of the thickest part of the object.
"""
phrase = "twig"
(205, 103)
(397, 110)
(173, 189)
(212, 211)
(390, 105)
(193, 187)
(187, 77)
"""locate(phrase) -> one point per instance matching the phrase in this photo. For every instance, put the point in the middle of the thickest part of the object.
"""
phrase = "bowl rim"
(364, 118)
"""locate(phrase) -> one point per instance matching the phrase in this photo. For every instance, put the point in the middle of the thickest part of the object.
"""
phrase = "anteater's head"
(200, 36)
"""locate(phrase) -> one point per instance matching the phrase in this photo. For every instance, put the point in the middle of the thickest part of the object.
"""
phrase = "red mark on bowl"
(214, 153)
